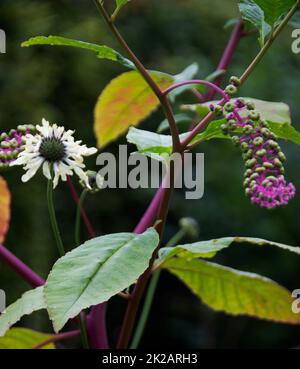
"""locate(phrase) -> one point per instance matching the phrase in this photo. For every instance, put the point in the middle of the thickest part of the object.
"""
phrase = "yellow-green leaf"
(235, 292)
(4, 208)
(23, 338)
(125, 102)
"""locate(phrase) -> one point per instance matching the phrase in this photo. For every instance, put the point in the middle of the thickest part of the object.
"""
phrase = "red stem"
(213, 86)
(20, 268)
(58, 337)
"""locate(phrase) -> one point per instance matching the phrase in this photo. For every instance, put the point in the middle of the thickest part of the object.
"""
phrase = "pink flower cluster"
(11, 144)
(264, 177)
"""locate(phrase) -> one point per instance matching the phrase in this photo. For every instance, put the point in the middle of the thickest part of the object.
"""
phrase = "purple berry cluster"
(264, 177)
(11, 144)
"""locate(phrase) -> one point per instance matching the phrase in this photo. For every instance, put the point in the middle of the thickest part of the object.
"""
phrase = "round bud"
(250, 163)
(281, 156)
(190, 226)
(261, 153)
(229, 107)
(250, 105)
(248, 129)
(258, 141)
(235, 81)
(277, 163)
(231, 90)
(268, 165)
(254, 115)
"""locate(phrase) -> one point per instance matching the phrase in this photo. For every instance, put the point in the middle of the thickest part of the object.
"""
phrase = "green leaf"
(126, 101)
(102, 51)
(119, 6)
(150, 143)
(233, 291)
(285, 131)
(205, 249)
(251, 12)
(157, 146)
(180, 119)
(96, 271)
(30, 301)
(274, 9)
(23, 338)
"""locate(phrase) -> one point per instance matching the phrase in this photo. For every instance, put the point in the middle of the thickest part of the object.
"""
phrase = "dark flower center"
(52, 149)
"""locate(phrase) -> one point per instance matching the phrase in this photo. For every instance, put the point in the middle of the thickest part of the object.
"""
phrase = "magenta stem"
(226, 58)
(20, 268)
(150, 215)
(196, 82)
(96, 326)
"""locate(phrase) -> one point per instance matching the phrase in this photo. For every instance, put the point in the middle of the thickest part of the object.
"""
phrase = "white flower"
(53, 146)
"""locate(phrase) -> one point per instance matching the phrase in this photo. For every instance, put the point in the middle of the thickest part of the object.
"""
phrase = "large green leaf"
(158, 146)
(102, 51)
(274, 9)
(235, 292)
(23, 338)
(125, 102)
(211, 247)
(96, 271)
(30, 301)
(251, 12)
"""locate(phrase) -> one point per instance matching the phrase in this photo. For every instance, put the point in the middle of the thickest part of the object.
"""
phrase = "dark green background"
(62, 85)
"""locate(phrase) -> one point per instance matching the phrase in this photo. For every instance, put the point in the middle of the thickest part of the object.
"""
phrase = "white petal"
(31, 172)
(46, 170)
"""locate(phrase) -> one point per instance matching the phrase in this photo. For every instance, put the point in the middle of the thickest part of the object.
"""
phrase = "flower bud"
(190, 227)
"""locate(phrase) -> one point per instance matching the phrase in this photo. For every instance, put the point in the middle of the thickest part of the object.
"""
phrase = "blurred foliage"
(62, 84)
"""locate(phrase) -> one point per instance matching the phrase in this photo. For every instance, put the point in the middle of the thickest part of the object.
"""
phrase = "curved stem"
(78, 212)
(145, 74)
(58, 337)
(53, 220)
(19, 267)
(196, 82)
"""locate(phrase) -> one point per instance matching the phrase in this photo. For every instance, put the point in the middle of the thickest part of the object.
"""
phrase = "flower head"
(264, 177)
(55, 150)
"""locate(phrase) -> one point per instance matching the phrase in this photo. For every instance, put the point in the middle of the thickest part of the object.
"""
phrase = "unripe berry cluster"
(12, 143)
(264, 179)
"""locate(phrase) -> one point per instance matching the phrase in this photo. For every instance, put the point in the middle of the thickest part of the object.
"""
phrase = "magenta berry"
(264, 181)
